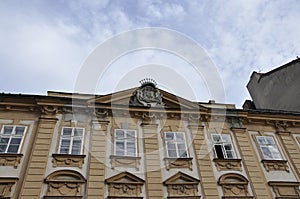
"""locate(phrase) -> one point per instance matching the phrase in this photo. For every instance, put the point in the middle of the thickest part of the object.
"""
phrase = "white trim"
(12, 136)
(125, 142)
(176, 144)
(222, 143)
(71, 139)
(268, 146)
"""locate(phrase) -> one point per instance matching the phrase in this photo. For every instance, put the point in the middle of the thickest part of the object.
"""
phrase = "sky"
(44, 44)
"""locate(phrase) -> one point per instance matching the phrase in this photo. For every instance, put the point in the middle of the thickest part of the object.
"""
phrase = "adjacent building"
(144, 143)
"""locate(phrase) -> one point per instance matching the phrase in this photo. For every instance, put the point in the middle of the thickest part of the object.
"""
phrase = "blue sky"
(45, 43)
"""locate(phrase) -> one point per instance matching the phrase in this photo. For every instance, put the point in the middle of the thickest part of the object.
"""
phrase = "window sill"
(275, 165)
(10, 159)
(125, 161)
(68, 197)
(67, 160)
(228, 164)
(175, 163)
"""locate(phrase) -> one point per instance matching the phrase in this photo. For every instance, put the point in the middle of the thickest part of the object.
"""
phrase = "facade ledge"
(67, 160)
(178, 163)
(125, 161)
(10, 159)
(275, 165)
(228, 164)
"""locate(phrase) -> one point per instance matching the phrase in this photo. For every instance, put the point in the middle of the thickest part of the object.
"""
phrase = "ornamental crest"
(147, 95)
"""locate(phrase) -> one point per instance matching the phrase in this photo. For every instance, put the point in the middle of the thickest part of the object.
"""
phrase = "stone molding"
(276, 165)
(65, 184)
(228, 164)
(234, 186)
(125, 161)
(182, 185)
(124, 185)
(67, 160)
(6, 184)
(285, 190)
(178, 163)
(10, 159)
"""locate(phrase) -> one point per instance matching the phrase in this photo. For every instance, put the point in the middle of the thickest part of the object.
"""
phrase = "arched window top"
(65, 175)
(232, 178)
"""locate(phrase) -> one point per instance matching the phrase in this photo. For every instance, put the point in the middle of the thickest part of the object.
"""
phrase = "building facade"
(144, 143)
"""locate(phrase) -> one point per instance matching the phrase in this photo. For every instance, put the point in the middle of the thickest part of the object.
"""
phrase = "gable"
(126, 97)
(124, 177)
(181, 178)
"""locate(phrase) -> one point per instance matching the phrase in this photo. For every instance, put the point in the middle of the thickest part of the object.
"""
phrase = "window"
(71, 141)
(175, 144)
(125, 142)
(268, 148)
(11, 138)
(222, 146)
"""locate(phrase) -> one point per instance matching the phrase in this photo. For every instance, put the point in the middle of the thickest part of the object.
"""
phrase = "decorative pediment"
(125, 177)
(64, 183)
(182, 185)
(124, 185)
(157, 97)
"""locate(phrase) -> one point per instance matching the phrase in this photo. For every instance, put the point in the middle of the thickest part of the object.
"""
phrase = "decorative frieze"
(178, 163)
(10, 159)
(66, 160)
(6, 185)
(228, 164)
(182, 186)
(276, 165)
(124, 185)
(125, 161)
(285, 190)
(65, 184)
(234, 186)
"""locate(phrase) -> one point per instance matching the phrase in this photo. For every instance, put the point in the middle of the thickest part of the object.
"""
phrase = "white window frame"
(176, 143)
(72, 137)
(222, 143)
(125, 141)
(11, 136)
(270, 146)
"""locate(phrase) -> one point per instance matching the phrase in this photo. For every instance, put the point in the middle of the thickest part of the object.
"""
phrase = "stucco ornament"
(147, 95)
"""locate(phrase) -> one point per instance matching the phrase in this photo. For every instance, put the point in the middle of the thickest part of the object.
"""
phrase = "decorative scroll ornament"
(147, 95)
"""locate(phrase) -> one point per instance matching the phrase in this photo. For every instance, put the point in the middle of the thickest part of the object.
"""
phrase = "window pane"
(225, 138)
(13, 149)
(4, 140)
(65, 142)
(2, 148)
(172, 153)
(266, 152)
(119, 134)
(181, 146)
(20, 130)
(64, 150)
(275, 153)
(67, 132)
(228, 147)
(15, 141)
(120, 148)
(219, 151)
(76, 143)
(180, 137)
(75, 151)
(169, 136)
(260, 140)
(182, 153)
(131, 149)
(130, 135)
(230, 154)
(78, 132)
(216, 138)
(171, 146)
(8, 130)
(270, 140)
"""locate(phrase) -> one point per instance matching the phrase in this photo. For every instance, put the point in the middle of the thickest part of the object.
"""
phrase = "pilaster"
(253, 166)
(154, 186)
(36, 169)
(96, 170)
(204, 164)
